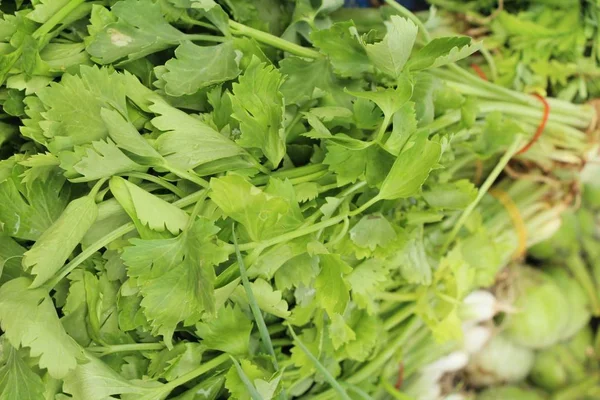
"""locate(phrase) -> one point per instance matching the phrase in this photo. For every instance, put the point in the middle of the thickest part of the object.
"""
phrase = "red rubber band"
(479, 71)
(541, 126)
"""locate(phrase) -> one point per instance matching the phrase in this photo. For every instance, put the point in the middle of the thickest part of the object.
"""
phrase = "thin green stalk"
(159, 181)
(272, 40)
(298, 172)
(335, 385)
(583, 276)
(201, 370)
(97, 186)
(491, 63)
(401, 316)
(510, 152)
(120, 348)
(189, 176)
(56, 18)
(256, 312)
(392, 391)
(206, 38)
(307, 230)
(309, 178)
(254, 395)
(89, 251)
(396, 297)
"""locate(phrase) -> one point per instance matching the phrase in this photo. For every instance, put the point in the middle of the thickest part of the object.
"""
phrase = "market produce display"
(288, 199)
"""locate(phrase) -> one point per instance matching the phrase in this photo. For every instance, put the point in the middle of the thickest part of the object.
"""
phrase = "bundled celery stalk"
(536, 46)
(242, 199)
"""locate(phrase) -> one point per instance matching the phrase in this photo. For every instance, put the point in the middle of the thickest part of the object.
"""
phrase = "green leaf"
(442, 51)
(197, 67)
(365, 279)
(411, 169)
(258, 106)
(17, 380)
(331, 286)
(73, 106)
(95, 380)
(151, 211)
(187, 142)
(176, 276)
(268, 299)
(11, 253)
(393, 51)
(455, 195)
(339, 332)
(41, 330)
(228, 332)
(240, 380)
(372, 163)
(127, 137)
(404, 126)
(173, 363)
(341, 45)
(371, 231)
(389, 100)
(139, 29)
(30, 209)
(207, 389)
(49, 253)
(100, 159)
(413, 261)
(305, 79)
(263, 214)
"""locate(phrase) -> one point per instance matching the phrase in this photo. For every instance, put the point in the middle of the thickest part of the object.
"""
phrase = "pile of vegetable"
(266, 200)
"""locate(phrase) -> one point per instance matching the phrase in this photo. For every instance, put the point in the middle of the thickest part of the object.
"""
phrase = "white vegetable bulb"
(478, 306)
(475, 337)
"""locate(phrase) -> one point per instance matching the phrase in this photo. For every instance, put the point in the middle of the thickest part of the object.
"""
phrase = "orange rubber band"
(516, 218)
(541, 126)
(479, 71)
(478, 171)
(400, 379)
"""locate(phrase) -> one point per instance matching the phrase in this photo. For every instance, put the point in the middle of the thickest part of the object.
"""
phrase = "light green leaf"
(197, 67)
(331, 286)
(453, 195)
(411, 169)
(442, 51)
(128, 138)
(30, 209)
(339, 332)
(393, 51)
(341, 45)
(49, 253)
(28, 318)
(101, 159)
(18, 381)
(389, 100)
(258, 105)
(229, 331)
(365, 279)
(176, 276)
(305, 79)
(187, 141)
(73, 115)
(140, 29)
(372, 231)
(95, 380)
(268, 299)
(150, 210)
(404, 126)
(263, 214)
